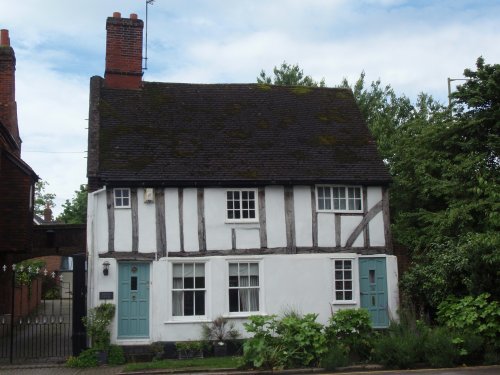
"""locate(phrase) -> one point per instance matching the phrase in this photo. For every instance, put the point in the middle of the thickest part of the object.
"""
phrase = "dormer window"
(122, 197)
(339, 198)
(241, 205)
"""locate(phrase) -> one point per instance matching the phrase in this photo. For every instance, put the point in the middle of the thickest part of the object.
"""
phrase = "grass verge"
(211, 362)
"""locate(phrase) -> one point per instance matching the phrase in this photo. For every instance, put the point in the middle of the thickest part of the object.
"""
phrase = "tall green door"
(133, 300)
(373, 290)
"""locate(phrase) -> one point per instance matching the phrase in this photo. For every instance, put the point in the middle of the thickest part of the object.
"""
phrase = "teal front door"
(133, 300)
(373, 290)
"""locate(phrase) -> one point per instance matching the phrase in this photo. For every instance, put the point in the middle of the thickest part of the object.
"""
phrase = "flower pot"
(220, 349)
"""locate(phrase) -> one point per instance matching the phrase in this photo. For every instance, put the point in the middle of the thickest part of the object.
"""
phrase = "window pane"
(254, 300)
(339, 285)
(233, 269)
(199, 302)
(230, 215)
(342, 205)
(237, 215)
(243, 269)
(199, 269)
(348, 295)
(233, 281)
(348, 275)
(233, 300)
(245, 214)
(188, 282)
(251, 214)
(251, 195)
(188, 270)
(339, 296)
(199, 282)
(177, 303)
(338, 264)
(347, 264)
(188, 303)
(338, 275)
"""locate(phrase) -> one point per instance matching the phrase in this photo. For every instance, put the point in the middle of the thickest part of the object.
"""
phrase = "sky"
(412, 45)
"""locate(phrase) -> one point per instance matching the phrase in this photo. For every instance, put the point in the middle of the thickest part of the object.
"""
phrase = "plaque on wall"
(105, 295)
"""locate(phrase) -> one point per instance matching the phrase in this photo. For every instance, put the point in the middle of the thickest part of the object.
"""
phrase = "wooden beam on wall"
(161, 230)
(111, 219)
(135, 220)
(262, 218)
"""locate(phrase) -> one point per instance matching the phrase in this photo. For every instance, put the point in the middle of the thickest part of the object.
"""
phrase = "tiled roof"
(170, 133)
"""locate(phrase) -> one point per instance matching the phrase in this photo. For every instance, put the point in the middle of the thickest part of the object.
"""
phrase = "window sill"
(350, 302)
(340, 212)
(188, 321)
(122, 207)
(243, 221)
(244, 315)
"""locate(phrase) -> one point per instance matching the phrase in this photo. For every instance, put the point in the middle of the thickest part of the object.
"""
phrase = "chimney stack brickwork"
(8, 109)
(124, 52)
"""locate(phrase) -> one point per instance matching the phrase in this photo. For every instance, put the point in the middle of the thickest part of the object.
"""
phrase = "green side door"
(373, 290)
(133, 300)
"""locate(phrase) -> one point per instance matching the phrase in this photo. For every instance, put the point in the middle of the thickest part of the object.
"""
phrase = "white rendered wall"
(326, 229)
(303, 215)
(347, 226)
(218, 233)
(392, 287)
(123, 229)
(376, 228)
(172, 219)
(100, 224)
(147, 224)
(190, 219)
(374, 195)
(275, 216)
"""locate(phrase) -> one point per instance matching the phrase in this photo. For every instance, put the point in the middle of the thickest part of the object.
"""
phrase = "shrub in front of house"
(351, 330)
(400, 346)
(478, 315)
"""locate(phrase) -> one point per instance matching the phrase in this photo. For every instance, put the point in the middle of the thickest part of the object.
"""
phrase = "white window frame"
(193, 317)
(353, 280)
(346, 198)
(261, 310)
(242, 220)
(116, 198)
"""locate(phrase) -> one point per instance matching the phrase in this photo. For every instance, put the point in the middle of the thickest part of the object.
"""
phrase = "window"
(241, 205)
(243, 287)
(188, 289)
(122, 198)
(339, 198)
(343, 280)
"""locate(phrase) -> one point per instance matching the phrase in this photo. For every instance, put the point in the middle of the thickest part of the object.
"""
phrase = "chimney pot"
(4, 38)
(133, 16)
(117, 15)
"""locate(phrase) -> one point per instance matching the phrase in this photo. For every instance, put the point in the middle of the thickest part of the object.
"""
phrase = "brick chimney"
(8, 108)
(123, 52)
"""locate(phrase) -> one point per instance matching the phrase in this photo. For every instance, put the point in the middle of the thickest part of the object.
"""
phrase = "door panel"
(133, 300)
(373, 290)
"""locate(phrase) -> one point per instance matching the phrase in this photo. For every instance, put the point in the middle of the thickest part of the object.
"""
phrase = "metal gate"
(40, 324)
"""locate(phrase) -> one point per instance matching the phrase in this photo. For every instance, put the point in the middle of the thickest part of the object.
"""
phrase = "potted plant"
(219, 331)
(97, 324)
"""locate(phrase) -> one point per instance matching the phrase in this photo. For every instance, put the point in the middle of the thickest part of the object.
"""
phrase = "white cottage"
(229, 199)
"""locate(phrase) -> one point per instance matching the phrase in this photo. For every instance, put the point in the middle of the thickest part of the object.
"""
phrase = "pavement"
(49, 369)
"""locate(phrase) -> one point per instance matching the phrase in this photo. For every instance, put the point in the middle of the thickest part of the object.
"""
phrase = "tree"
(42, 198)
(75, 211)
(289, 75)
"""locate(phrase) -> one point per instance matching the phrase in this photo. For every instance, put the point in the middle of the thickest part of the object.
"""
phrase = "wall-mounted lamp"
(105, 268)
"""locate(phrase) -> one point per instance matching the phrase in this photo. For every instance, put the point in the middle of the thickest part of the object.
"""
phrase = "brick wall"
(16, 217)
(123, 52)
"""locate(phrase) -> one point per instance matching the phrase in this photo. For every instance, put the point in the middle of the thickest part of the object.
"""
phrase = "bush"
(263, 349)
(473, 315)
(219, 330)
(116, 356)
(87, 358)
(336, 356)
(439, 349)
(97, 323)
(351, 328)
(401, 346)
(302, 340)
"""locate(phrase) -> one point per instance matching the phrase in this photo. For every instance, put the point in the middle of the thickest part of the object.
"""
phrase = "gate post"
(13, 291)
(79, 304)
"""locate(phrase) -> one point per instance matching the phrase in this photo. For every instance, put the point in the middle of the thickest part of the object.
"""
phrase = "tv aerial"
(148, 2)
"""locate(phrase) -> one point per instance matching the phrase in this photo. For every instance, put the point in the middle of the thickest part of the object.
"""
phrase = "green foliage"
(439, 349)
(335, 356)
(219, 330)
(401, 346)
(190, 346)
(29, 271)
(75, 211)
(352, 330)
(87, 358)
(292, 341)
(42, 198)
(263, 349)
(116, 356)
(476, 315)
(97, 324)
(302, 340)
(289, 75)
